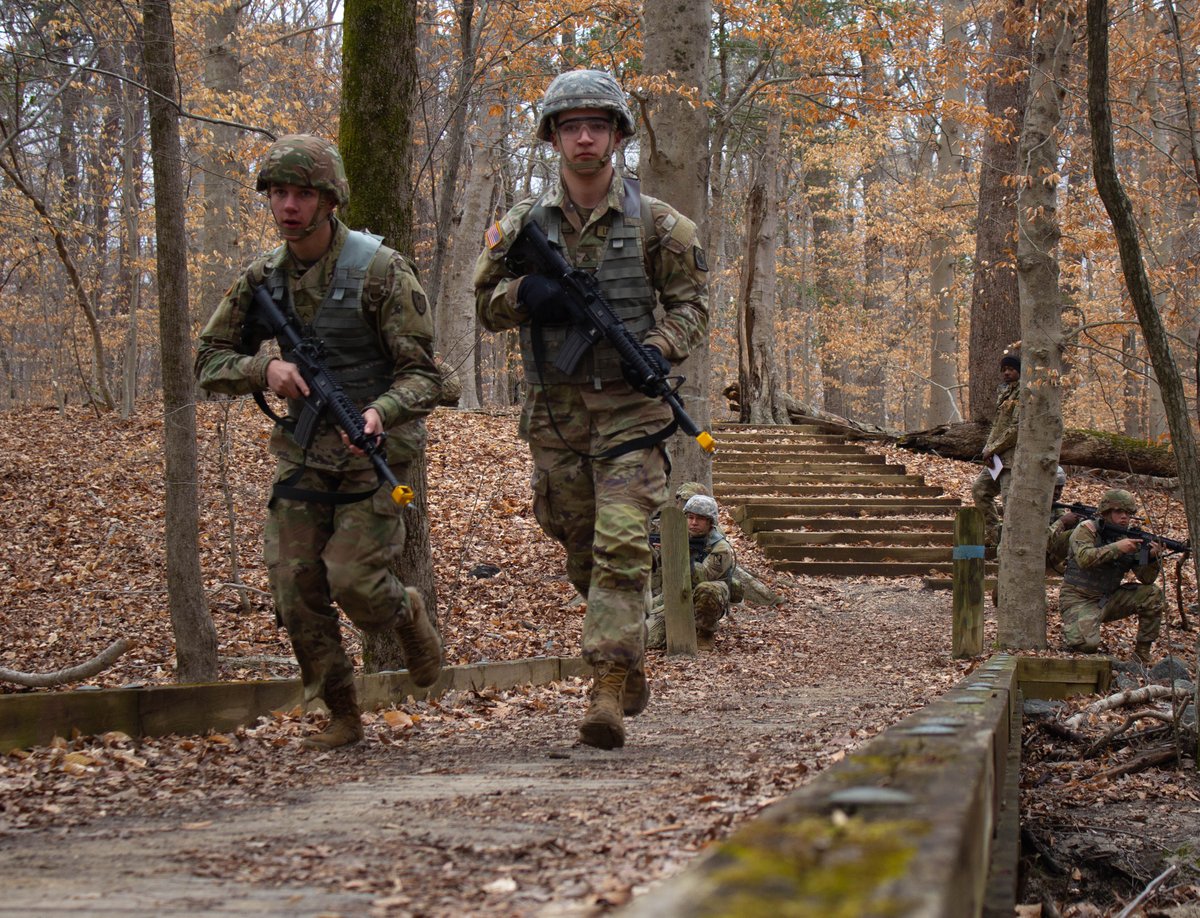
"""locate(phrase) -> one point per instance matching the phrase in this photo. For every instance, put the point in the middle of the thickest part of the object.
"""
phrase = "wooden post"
(677, 584)
(968, 583)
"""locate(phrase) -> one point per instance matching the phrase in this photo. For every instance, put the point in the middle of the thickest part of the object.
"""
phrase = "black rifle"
(1108, 530)
(325, 393)
(1087, 511)
(592, 318)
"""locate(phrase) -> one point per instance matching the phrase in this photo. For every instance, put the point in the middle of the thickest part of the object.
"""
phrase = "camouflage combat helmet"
(1117, 499)
(689, 489)
(1060, 477)
(308, 161)
(584, 89)
(702, 505)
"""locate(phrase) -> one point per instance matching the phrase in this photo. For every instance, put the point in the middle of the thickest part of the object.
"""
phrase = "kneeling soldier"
(1093, 592)
(712, 575)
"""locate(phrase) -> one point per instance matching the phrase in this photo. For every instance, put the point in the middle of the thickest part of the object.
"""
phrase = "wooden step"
(825, 467)
(776, 440)
(742, 493)
(863, 568)
(934, 555)
(835, 480)
(853, 538)
(822, 507)
(756, 524)
(797, 453)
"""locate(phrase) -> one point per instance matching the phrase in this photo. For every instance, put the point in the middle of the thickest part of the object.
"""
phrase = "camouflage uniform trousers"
(321, 554)
(599, 509)
(1083, 613)
(710, 600)
(984, 492)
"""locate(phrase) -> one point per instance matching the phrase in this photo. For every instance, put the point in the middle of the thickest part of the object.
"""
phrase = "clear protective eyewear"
(573, 127)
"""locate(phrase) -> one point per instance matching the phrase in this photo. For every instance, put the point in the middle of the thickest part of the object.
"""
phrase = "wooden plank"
(967, 602)
(35, 718)
(677, 584)
(902, 826)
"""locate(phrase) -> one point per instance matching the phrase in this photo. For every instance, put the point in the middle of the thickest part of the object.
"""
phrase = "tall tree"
(379, 73)
(758, 356)
(1021, 620)
(1120, 211)
(674, 167)
(195, 636)
(943, 365)
(220, 171)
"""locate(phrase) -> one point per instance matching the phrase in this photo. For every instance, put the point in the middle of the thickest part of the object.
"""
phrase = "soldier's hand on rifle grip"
(284, 379)
(1128, 546)
(545, 299)
(658, 363)
(372, 430)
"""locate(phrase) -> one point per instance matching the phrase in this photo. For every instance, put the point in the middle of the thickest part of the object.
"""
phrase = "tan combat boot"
(637, 690)
(602, 725)
(420, 641)
(345, 723)
(1142, 652)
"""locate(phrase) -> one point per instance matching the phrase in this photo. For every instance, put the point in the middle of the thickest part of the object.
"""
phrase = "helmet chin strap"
(300, 235)
(591, 166)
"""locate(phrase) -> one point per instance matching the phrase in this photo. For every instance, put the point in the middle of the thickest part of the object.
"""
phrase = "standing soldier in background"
(1092, 590)
(332, 534)
(1002, 442)
(600, 461)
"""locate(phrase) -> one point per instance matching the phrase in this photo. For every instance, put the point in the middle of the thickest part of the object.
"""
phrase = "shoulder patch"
(494, 236)
(701, 261)
(420, 302)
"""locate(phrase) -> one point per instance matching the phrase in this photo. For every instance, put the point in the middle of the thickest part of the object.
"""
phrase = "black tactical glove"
(658, 363)
(545, 299)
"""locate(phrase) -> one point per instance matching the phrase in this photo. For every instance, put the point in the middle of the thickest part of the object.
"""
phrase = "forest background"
(861, 149)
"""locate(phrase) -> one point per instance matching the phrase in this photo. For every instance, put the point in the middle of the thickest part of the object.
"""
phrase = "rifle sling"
(286, 490)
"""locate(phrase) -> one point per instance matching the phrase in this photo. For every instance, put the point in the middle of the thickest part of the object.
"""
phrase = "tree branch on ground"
(86, 670)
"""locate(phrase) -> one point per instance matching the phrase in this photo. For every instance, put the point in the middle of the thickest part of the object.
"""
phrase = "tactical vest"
(353, 352)
(701, 547)
(620, 267)
(1103, 578)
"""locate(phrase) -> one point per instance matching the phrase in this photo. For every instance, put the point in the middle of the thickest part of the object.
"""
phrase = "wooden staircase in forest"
(819, 505)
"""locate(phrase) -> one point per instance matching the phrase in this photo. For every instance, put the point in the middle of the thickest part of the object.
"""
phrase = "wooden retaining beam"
(35, 718)
(920, 821)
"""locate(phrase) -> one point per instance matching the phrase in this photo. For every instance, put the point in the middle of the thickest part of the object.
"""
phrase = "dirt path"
(482, 805)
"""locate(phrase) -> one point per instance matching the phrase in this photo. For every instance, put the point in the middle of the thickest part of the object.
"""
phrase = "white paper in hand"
(995, 467)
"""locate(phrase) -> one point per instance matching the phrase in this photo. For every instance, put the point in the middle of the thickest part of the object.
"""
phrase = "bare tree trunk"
(220, 171)
(379, 73)
(1021, 618)
(456, 325)
(758, 357)
(131, 203)
(195, 636)
(943, 364)
(456, 138)
(675, 169)
(1116, 202)
(995, 311)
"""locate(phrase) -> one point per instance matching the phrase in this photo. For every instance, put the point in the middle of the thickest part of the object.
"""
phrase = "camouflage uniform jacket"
(1003, 436)
(675, 266)
(393, 303)
(712, 558)
(1091, 562)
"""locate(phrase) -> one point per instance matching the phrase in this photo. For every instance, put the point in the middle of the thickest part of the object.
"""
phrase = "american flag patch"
(494, 236)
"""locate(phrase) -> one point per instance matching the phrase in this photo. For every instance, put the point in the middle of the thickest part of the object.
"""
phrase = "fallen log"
(1087, 448)
(86, 670)
(1122, 699)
